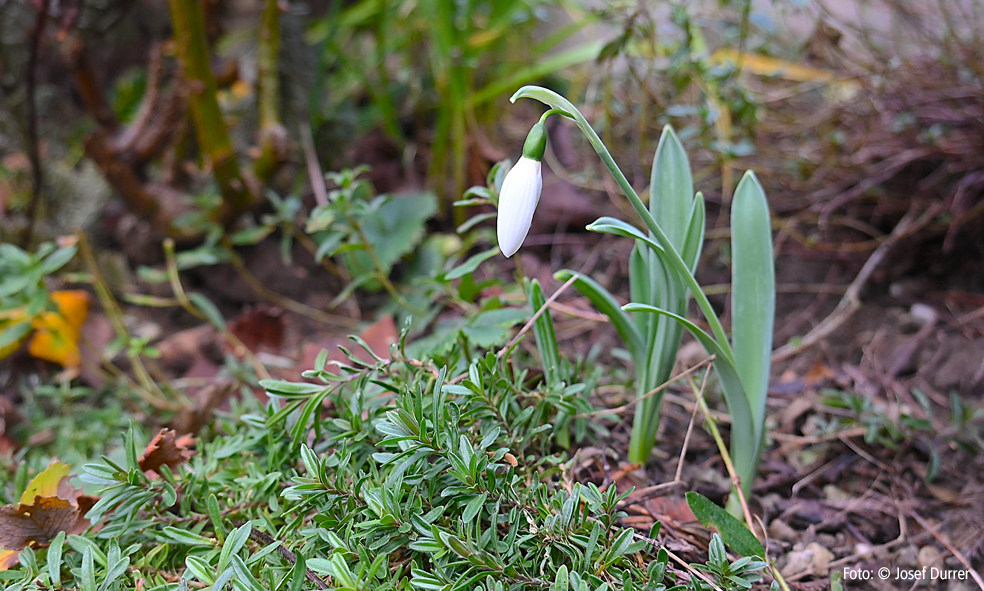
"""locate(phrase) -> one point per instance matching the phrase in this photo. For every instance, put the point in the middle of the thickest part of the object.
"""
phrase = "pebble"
(927, 556)
(832, 493)
(814, 558)
(907, 557)
(781, 530)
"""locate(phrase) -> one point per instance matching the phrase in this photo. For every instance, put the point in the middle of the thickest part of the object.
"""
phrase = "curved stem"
(564, 107)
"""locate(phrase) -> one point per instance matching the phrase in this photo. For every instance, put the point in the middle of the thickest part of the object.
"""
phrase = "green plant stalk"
(271, 133)
(146, 387)
(383, 96)
(672, 256)
(267, 54)
(673, 204)
(188, 18)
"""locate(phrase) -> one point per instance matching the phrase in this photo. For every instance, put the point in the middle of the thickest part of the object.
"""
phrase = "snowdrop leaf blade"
(608, 225)
(671, 192)
(745, 442)
(753, 292)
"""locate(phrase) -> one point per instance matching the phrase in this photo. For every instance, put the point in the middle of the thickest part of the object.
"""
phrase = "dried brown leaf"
(37, 523)
(167, 448)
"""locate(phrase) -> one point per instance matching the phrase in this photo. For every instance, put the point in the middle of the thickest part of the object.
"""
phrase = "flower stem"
(564, 107)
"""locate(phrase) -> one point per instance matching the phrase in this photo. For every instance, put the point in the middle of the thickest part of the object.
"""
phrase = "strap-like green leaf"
(640, 290)
(694, 242)
(671, 188)
(608, 225)
(753, 293)
(744, 441)
(546, 338)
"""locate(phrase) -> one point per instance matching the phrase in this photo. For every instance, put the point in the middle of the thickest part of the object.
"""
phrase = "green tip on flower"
(536, 143)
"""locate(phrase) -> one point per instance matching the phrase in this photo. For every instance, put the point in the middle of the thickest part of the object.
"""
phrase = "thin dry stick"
(815, 439)
(285, 302)
(542, 309)
(148, 389)
(652, 392)
(680, 401)
(315, 175)
(735, 479)
(575, 312)
(678, 560)
(265, 539)
(851, 301)
(946, 544)
(648, 492)
(690, 427)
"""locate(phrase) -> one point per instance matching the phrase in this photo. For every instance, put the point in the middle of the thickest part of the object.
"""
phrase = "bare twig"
(653, 392)
(315, 174)
(264, 539)
(735, 479)
(148, 389)
(543, 308)
(851, 301)
(285, 302)
(946, 544)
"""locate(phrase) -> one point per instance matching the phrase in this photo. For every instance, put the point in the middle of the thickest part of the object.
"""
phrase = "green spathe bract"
(661, 275)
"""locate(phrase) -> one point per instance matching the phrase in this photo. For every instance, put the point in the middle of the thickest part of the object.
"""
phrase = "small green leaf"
(186, 537)
(209, 309)
(14, 333)
(291, 389)
(733, 532)
(55, 559)
(562, 580)
(471, 264)
(474, 507)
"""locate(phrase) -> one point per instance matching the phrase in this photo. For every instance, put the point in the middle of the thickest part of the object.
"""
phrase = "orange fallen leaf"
(56, 336)
(167, 448)
(8, 558)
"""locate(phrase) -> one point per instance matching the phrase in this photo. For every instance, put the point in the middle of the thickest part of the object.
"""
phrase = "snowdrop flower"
(520, 193)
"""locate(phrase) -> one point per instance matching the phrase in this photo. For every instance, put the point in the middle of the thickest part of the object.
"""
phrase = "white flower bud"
(517, 199)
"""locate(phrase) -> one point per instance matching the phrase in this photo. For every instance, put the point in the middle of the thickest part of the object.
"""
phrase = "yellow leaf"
(73, 305)
(57, 333)
(769, 66)
(45, 484)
